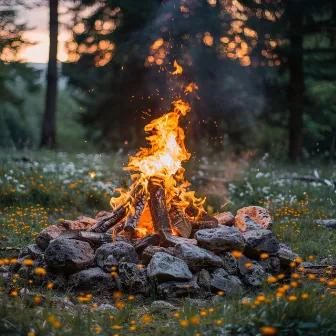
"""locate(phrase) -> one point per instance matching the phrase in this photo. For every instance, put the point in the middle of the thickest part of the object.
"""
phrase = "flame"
(178, 70)
(162, 159)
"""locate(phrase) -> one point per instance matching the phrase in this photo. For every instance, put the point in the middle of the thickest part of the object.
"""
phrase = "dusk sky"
(38, 19)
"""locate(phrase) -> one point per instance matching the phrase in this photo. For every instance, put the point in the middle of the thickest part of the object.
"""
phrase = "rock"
(258, 241)
(24, 291)
(134, 278)
(271, 265)
(246, 223)
(229, 263)
(45, 236)
(173, 289)
(328, 262)
(163, 308)
(34, 251)
(251, 272)
(75, 225)
(229, 284)
(225, 218)
(141, 243)
(150, 250)
(109, 255)
(286, 255)
(69, 255)
(105, 307)
(164, 267)
(258, 214)
(222, 238)
(92, 278)
(204, 279)
(196, 257)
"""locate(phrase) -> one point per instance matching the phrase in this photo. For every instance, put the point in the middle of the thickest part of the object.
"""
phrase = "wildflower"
(304, 296)
(132, 328)
(268, 330)
(195, 320)
(294, 284)
(219, 322)
(311, 257)
(120, 305)
(31, 333)
(245, 301)
(50, 285)
(14, 293)
(13, 261)
(298, 260)
(40, 271)
(281, 276)
(203, 313)
(264, 256)
(295, 276)
(94, 306)
(147, 318)
(271, 279)
(117, 295)
(184, 323)
(292, 298)
(28, 262)
(220, 293)
(117, 327)
(176, 314)
(237, 254)
(139, 266)
(311, 276)
(248, 265)
(131, 297)
(37, 299)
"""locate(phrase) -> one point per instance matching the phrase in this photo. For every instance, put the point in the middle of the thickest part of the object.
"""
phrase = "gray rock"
(197, 258)
(150, 250)
(92, 278)
(271, 265)
(286, 255)
(225, 218)
(229, 284)
(258, 241)
(223, 239)
(34, 251)
(110, 255)
(105, 307)
(328, 262)
(230, 263)
(257, 214)
(133, 278)
(69, 255)
(164, 267)
(204, 279)
(162, 308)
(173, 289)
(253, 275)
(45, 236)
(246, 222)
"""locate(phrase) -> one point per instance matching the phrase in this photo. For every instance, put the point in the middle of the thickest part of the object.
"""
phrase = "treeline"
(265, 71)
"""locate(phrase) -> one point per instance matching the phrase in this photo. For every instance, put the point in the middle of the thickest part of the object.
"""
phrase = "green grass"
(37, 191)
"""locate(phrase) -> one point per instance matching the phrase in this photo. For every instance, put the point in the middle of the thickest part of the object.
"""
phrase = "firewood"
(95, 238)
(158, 206)
(101, 214)
(180, 223)
(132, 220)
(202, 220)
(141, 243)
(107, 222)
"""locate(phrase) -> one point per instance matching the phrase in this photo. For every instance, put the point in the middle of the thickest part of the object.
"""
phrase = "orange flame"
(163, 159)
(178, 70)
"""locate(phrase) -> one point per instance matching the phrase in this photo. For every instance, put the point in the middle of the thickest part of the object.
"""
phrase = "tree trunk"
(48, 138)
(296, 83)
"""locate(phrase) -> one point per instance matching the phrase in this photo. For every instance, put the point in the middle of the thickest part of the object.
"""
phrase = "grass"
(38, 188)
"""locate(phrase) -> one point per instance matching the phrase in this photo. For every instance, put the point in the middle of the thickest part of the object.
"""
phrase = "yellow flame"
(178, 70)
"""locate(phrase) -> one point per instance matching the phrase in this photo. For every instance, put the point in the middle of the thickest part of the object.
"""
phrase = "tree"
(300, 33)
(48, 136)
(15, 76)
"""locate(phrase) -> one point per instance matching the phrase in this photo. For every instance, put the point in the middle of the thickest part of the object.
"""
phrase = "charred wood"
(141, 243)
(180, 223)
(132, 220)
(107, 222)
(158, 207)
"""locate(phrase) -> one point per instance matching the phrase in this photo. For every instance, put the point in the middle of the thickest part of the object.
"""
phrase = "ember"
(158, 200)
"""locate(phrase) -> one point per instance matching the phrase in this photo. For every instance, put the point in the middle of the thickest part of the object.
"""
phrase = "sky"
(38, 20)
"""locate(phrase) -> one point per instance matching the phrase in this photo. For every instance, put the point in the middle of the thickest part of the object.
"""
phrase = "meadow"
(38, 189)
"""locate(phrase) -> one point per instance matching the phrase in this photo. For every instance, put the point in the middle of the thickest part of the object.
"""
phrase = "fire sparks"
(162, 160)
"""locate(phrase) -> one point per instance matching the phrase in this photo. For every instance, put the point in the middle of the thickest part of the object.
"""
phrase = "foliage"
(39, 188)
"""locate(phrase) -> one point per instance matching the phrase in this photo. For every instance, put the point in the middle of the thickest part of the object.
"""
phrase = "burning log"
(202, 220)
(158, 207)
(180, 223)
(107, 222)
(132, 220)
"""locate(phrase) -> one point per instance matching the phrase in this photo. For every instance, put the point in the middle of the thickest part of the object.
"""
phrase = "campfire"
(159, 200)
(158, 235)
